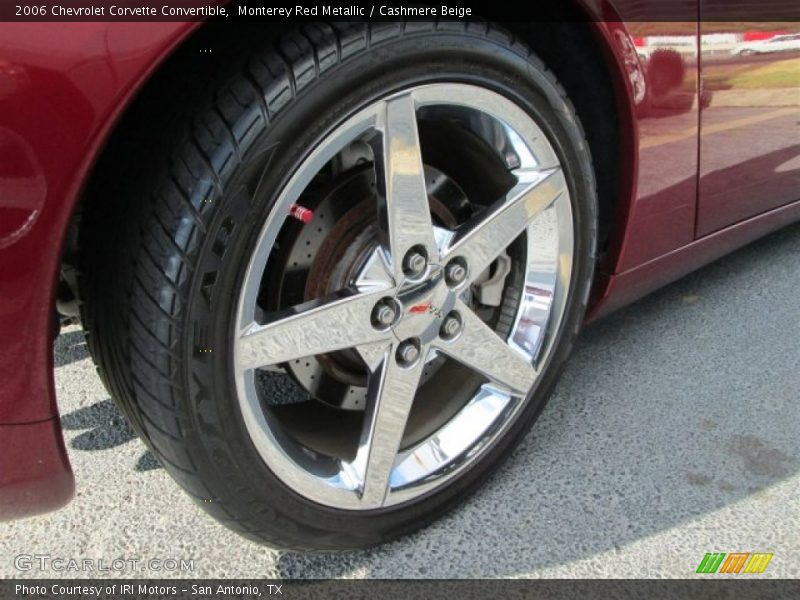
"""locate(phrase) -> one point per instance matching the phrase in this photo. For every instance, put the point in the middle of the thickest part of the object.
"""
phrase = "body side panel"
(35, 475)
(658, 215)
(624, 288)
(750, 133)
(61, 90)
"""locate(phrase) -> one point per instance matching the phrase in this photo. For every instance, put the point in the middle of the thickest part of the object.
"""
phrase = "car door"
(749, 122)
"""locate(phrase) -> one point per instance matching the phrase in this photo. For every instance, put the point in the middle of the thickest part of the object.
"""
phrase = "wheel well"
(153, 115)
(576, 55)
(571, 49)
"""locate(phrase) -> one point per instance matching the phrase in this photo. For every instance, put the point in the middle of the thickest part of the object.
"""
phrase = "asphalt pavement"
(673, 432)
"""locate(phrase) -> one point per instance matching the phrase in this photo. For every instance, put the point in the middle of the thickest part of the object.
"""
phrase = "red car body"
(694, 184)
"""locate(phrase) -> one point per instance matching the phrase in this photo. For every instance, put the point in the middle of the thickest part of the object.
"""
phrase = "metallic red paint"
(662, 212)
(36, 476)
(738, 149)
(63, 88)
(656, 203)
(749, 131)
(623, 288)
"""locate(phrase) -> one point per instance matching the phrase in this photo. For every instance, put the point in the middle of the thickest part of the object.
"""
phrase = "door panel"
(749, 120)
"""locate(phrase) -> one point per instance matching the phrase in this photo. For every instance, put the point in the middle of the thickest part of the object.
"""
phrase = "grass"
(781, 74)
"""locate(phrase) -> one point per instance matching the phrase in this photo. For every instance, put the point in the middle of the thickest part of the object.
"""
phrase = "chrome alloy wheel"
(409, 301)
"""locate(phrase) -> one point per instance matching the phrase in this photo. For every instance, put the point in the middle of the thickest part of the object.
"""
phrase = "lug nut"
(455, 273)
(415, 262)
(408, 353)
(451, 326)
(384, 313)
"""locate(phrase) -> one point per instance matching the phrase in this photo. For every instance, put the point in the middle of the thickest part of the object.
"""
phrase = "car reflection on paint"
(778, 43)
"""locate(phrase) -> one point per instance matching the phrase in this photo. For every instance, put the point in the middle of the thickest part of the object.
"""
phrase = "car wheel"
(354, 280)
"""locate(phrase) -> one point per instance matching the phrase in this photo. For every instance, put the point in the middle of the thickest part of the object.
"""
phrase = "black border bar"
(715, 587)
(457, 10)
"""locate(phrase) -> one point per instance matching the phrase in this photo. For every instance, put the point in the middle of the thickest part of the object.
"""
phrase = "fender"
(62, 89)
(59, 100)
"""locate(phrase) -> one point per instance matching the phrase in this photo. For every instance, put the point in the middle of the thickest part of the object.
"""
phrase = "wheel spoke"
(404, 212)
(316, 327)
(481, 349)
(481, 240)
(391, 392)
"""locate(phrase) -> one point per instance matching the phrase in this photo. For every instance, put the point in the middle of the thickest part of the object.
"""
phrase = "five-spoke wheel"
(409, 301)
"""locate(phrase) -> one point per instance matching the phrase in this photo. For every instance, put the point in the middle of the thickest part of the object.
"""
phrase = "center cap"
(424, 305)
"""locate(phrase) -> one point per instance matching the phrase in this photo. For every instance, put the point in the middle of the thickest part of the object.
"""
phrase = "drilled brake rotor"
(326, 254)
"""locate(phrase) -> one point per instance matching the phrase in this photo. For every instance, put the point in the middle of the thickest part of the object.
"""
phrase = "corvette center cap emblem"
(426, 308)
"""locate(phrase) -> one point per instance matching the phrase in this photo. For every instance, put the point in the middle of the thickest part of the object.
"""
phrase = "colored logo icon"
(734, 563)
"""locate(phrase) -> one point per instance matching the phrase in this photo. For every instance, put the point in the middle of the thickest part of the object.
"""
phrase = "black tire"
(165, 284)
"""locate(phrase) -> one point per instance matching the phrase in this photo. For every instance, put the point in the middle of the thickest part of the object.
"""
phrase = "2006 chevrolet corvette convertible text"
(330, 274)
